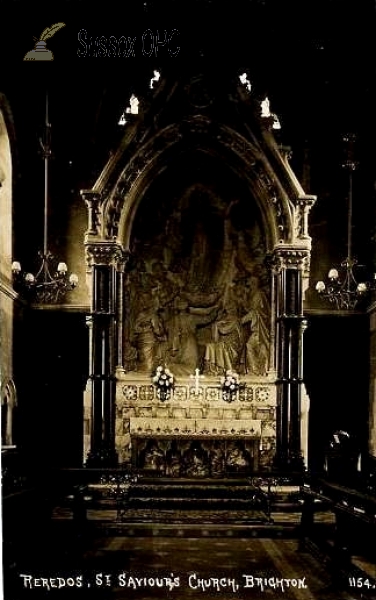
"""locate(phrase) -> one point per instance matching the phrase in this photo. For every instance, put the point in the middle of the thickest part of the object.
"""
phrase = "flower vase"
(163, 394)
(229, 396)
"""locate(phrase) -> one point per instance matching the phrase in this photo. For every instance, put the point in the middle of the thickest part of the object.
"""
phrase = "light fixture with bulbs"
(46, 286)
(342, 288)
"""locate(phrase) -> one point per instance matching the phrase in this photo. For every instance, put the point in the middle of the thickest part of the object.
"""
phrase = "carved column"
(103, 259)
(289, 265)
(120, 314)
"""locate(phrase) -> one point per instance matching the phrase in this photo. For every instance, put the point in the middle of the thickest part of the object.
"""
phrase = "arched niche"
(199, 264)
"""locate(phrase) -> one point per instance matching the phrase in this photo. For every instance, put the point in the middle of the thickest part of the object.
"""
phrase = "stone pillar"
(103, 259)
(120, 311)
(87, 394)
(372, 388)
(288, 267)
(304, 424)
(272, 346)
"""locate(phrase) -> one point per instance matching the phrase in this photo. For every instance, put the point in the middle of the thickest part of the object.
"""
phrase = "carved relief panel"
(198, 289)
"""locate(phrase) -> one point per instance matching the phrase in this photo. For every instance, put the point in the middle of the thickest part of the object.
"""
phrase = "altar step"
(156, 522)
(195, 524)
(195, 494)
(192, 503)
(191, 494)
(184, 507)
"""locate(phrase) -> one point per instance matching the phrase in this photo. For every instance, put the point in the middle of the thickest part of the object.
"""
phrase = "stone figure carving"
(153, 457)
(237, 458)
(184, 353)
(167, 328)
(217, 460)
(149, 338)
(173, 460)
(133, 105)
(257, 323)
(223, 352)
(196, 461)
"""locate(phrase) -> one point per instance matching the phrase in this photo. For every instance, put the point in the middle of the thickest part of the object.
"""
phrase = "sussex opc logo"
(40, 51)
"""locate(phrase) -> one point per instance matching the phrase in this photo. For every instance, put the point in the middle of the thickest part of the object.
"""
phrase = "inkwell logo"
(40, 52)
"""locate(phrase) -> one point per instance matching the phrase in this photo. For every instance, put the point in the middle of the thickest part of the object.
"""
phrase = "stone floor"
(241, 566)
(234, 557)
(150, 568)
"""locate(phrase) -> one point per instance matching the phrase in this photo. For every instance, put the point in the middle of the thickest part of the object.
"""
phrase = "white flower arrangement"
(230, 385)
(164, 381)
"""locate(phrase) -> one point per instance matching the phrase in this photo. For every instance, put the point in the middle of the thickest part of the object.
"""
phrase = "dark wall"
(336, 373)
(51, 357)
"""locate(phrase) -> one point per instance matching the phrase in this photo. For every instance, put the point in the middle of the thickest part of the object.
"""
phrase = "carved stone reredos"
(213, 217)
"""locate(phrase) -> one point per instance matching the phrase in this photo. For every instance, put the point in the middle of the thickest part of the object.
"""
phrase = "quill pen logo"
(40, 52)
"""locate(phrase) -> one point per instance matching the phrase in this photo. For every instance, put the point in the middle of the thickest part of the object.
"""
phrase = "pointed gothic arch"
(247, 162)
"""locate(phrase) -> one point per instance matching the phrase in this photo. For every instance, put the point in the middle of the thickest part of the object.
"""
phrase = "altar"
(195, 432)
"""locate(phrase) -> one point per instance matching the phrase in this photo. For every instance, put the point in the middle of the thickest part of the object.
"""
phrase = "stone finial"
(92, 200)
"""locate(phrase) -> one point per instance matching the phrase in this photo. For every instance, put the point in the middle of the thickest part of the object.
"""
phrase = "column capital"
(105, 253)
(123, 261)
(91, 195)
(308, 200)
(289, 257)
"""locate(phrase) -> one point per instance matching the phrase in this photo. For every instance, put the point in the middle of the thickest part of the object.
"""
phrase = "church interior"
(188, 300)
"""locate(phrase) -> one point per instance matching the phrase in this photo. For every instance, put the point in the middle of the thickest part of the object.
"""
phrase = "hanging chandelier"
(48, 285)
(342, 288)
